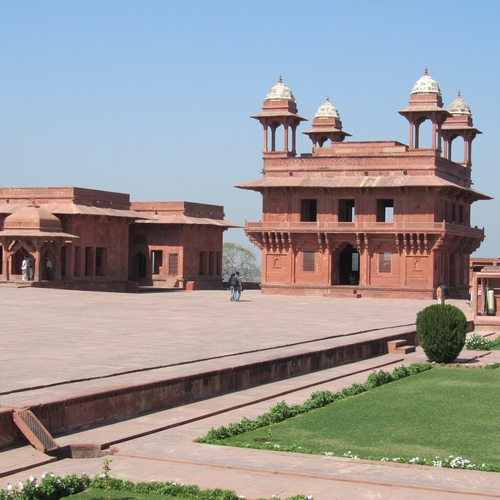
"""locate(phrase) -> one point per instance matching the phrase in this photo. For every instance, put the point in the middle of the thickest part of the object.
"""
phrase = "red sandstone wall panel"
(277, 268)
(418, 271)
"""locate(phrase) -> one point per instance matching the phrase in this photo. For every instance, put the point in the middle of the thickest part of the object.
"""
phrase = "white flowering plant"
(52, 487)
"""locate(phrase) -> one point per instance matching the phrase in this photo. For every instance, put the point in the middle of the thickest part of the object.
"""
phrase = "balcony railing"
(362, 227)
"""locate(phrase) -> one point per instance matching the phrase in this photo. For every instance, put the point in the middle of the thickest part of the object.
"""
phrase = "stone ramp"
(34, 431)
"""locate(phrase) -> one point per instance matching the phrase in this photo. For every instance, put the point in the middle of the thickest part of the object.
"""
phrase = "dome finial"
(459, 107)
(426, 85)
(327, 110)
(280, 92)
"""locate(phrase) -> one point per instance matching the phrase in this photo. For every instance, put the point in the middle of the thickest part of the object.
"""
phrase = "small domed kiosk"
(459, 124)
(32, 232)
(426, 103)
(279, 109)
(327, 125)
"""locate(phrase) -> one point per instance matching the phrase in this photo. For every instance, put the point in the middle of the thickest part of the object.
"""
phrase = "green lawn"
(96, 494)
(444, 411)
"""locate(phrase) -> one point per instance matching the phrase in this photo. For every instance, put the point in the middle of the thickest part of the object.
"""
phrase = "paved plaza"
(59, 343)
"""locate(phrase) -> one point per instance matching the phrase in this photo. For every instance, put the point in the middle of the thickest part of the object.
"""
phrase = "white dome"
(459, 107)
(327, 110)
(426, 85)
(280, 92)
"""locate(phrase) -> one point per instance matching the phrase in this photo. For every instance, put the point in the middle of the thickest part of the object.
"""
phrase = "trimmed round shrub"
(441, 331)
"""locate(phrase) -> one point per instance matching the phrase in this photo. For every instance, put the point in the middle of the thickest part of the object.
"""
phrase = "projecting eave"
(277, 113)
(459, 128)
(353, 181)
(424, 108)
(76, 209)
(185, 220)
(35, 233)
(317, 130)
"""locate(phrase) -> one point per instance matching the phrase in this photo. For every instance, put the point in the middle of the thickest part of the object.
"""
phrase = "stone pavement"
(51, 339)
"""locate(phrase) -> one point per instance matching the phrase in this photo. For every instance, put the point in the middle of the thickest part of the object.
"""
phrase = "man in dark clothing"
(239, 287)
(233, 285)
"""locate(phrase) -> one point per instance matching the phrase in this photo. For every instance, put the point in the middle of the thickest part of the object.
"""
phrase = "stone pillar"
(6, 264)
(294, 139)
(57, 268)
(38, 258)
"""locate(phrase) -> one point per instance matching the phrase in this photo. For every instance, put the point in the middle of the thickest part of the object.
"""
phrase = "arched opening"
(457, 150)
(48, 264)
(16, 262)
(349, 266)
(425, 135)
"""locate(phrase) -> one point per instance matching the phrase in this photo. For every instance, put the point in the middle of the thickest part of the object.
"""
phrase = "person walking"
(239, 288)
(233, 283)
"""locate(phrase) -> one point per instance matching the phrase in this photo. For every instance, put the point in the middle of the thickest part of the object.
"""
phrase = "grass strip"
(427, 420)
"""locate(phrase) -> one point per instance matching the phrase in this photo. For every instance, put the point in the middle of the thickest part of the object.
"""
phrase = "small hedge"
(441, 331)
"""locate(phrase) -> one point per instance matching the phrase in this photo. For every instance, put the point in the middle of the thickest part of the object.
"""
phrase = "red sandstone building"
(99, 240)
(365, 218)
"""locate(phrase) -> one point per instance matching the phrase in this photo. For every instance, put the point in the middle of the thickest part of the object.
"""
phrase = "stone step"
(399, 347)
(34, 431)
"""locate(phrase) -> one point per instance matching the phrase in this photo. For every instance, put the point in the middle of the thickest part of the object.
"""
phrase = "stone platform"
(59, 347)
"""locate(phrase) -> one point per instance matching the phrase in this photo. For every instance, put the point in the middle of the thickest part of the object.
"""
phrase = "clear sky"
(153, 98)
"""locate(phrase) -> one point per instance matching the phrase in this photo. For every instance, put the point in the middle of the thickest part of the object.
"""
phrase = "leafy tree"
(239, 258)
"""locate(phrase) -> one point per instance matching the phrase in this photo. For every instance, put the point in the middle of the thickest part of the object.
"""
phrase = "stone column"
(37, 276)
(57, 271)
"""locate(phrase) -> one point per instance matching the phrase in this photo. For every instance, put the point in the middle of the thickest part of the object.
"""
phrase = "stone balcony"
(364, 227)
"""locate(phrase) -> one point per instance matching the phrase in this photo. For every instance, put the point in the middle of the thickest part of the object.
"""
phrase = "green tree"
(239, 258)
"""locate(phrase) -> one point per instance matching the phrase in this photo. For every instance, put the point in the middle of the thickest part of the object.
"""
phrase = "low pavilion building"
(366, 218)
(99, 240)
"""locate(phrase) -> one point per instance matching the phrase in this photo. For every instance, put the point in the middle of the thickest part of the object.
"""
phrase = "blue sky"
(153, 98)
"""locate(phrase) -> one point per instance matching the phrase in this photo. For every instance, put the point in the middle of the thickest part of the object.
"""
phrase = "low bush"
(441, 331)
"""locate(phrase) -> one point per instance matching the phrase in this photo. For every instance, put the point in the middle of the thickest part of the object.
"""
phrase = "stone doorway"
(349, 266)
(140, 265)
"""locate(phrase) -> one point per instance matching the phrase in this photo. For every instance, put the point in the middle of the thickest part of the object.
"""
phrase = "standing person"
(239, 288)
(24, 269)
(233, 282)
(446, 291)
(48, 268)
(31, 265)
(440, 294)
